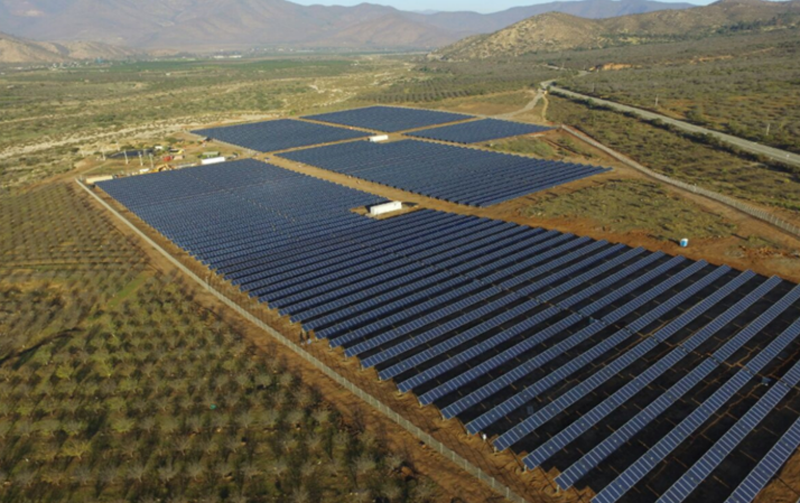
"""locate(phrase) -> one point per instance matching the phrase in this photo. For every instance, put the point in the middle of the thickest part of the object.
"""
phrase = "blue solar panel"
(533, 340)
(283, 134)
(760, 476)
(627, 479)
(453, 299)
(723, 447)
(388, 119)
(516, 433)
(665, 400)
(573, 473)
(607, 406)
(461, 175)
(479, 131)
(531, 392)
(484, 392)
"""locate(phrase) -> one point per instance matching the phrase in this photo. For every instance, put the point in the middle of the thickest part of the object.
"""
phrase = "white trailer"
(382, 209)
(379, 138)
(97, 179)
(213, 160)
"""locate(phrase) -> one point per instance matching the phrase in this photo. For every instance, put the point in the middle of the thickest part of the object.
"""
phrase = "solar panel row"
(758, 479)
(625, 393)
(703, 468)
(388, 119)
(503, 326)
(571, 475)
(626, 480)
(478, 131)
(282, 134)
(637, 423)
(528, 393)
(456, 174)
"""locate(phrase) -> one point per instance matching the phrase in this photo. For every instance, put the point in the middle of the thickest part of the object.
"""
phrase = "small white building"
(97, 179)
(379, 138)
(382, 209)
(212, 160)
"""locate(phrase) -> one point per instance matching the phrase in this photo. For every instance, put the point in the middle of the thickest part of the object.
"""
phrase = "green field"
(747, 85)
(623, 206)
(686, 159)
(53, 118)
(116, 386)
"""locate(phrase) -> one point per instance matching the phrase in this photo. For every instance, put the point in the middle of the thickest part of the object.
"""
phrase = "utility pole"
(656, 101)
(768, 125)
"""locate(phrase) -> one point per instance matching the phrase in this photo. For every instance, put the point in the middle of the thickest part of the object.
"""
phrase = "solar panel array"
(388, 119)
(283, 134)
(640, 375)
(478, 131)
(456, 174)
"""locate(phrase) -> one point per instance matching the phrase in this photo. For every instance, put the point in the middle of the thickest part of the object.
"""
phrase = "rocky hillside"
(208, 25)
(15, 50)
(556, 31)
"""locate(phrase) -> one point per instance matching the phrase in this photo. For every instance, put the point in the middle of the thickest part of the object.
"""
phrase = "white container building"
(382, 209)
(213, 160)
(97, 179)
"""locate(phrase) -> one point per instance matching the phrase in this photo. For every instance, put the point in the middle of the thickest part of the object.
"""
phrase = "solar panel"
(438, 331)
(484, 392)
(507, 334)
(763, 472)
(408, 320)
(461, 175)
(666, 399)
(516, 433)
(388, 119)
(626, 480)
(529, 393)
(638, 383)
(276, 135)
(479, 131)
(723, 447)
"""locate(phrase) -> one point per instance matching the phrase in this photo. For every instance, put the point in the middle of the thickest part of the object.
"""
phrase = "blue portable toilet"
(684, 243)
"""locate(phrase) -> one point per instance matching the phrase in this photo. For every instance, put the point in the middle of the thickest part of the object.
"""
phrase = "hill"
(557, 31)
(590, 9)
(241, 24)
(15, 50)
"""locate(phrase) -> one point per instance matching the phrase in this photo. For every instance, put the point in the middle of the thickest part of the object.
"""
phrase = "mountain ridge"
(17, 50)
(207, 25)
(557, 31)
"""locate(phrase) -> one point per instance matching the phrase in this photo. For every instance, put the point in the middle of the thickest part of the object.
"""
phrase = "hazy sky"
(449, 5)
